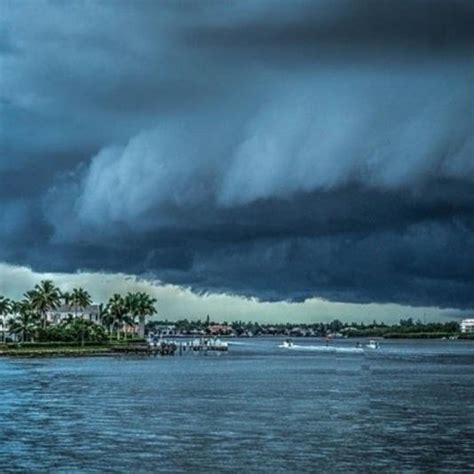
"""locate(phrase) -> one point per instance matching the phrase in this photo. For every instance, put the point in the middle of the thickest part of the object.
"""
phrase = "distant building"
(90, 313)
(220, 330)
(4, 326)
(165, 329)
(467, 325)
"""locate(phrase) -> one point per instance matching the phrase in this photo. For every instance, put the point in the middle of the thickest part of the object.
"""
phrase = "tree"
(80, 300)
(117, 313)
(5, 305)
(25, 322)
(66, 297)
(140, 305)
(45, 297)
(101, 313)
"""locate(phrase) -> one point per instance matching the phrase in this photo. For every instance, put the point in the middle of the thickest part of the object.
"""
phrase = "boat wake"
(238, 343)
(348, 350)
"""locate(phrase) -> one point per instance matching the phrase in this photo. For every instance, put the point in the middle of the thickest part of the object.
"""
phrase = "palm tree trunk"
(141, 327)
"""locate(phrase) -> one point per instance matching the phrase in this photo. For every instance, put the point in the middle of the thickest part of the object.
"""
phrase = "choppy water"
(407, 407)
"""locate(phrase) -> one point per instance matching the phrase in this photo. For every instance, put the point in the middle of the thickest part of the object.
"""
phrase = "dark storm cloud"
(269, 149)
(368, 26)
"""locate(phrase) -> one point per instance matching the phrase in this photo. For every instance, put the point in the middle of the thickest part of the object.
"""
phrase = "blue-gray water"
(406, 407)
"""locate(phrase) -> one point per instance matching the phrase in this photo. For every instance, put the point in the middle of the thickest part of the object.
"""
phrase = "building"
(4, 334)
(467, 325)
(90, 313)
(165, 330)
(220, 330)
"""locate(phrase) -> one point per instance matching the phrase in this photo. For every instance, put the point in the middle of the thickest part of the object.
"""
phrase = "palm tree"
(141, 305)
(5, 308)
(116, 313)
(66, 297)
(45, 297)
(25, 321)
(5, 305)
(101, 313)
(131, 306)
(80, 299)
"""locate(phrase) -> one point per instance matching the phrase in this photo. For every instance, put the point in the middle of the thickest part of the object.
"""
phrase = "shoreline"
(106, 350)
(65, 352)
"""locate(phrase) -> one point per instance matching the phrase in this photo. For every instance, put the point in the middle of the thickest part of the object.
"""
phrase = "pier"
(155, 347)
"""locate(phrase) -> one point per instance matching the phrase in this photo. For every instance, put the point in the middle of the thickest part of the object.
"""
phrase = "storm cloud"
(275, 150)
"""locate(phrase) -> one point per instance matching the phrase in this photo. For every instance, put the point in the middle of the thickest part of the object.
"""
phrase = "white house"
(4, 326)
(467, 325)
(90, 313)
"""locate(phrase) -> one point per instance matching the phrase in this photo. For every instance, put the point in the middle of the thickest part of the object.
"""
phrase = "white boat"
(372, 345)
(218, 345)
(287, 344)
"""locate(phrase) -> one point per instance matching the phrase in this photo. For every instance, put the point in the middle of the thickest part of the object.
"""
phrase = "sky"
(281, 160)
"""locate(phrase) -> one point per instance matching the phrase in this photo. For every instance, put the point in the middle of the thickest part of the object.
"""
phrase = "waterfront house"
(467, 325)
(165, 330)
(89, 313)
(4, 327)
(220, 330)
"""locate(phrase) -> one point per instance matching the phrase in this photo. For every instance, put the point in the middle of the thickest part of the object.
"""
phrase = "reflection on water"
(407, 406)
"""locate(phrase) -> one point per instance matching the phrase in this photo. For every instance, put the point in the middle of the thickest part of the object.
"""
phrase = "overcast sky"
(315, 155)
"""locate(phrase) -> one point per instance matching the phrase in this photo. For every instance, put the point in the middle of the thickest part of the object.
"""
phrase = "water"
(406, 407)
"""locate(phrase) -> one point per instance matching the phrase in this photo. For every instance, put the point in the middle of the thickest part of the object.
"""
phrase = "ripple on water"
(259, 408)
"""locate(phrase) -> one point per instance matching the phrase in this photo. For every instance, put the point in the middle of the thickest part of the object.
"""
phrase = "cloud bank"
(284, 152)
(174, 303)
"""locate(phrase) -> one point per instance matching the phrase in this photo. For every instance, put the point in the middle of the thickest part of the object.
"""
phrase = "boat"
(208, 344)
(287, 344)
(218, 345)
(372, 345)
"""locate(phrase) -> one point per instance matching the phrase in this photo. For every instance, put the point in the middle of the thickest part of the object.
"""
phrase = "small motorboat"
(372, 345)
(218, 345)
(287, 344)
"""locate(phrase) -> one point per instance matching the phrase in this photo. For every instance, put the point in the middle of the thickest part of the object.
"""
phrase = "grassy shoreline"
(56, 349)
(40, 349)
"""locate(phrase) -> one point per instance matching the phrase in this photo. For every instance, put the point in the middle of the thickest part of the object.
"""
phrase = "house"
(4, 333)
(467, 325)
(165, 329)
(90, 313)
(220, 330)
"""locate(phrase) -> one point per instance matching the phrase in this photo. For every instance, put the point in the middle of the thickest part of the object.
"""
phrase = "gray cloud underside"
(313, 148)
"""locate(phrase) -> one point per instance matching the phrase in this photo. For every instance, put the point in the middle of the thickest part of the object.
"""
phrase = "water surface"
(406, 407)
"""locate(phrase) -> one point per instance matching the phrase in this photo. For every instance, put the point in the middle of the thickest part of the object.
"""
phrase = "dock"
(155, 347)
(162, 349)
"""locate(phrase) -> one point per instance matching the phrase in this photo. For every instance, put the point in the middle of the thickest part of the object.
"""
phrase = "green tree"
(25, 321)
(66, 297)
(140, 305)
(45, 297)
(80, 300)
(101, 313)
(117, 314)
